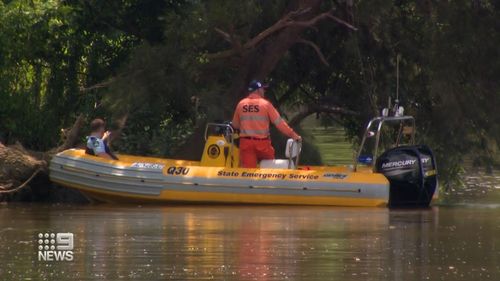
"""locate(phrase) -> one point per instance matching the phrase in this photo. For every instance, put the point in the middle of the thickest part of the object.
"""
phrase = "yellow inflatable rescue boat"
(401, 176)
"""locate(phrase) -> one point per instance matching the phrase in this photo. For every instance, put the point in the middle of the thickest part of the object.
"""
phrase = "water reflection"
(480, 190)
(254, 243)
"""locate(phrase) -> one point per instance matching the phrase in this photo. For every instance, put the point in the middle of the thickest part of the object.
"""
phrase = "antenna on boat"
(396, 101)
(397, 78)
(395, 110)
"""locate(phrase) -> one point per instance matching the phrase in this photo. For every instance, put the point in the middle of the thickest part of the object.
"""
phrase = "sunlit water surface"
(457, 239)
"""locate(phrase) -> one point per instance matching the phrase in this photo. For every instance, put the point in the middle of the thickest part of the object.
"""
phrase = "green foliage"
(448, 73)
(150, 60)
(150, 133)
(49, 50)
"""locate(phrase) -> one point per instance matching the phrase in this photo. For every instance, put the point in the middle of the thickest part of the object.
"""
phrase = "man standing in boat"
(252, 117)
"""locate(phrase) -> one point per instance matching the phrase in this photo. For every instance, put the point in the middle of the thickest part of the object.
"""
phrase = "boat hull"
(153, 180)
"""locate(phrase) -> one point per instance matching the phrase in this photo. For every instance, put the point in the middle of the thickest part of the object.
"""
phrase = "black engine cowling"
(412, 173)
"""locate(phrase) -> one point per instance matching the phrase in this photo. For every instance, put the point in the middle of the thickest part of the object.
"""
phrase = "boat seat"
(276, 164)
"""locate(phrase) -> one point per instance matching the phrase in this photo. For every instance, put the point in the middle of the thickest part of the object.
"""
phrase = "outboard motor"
(412, 173)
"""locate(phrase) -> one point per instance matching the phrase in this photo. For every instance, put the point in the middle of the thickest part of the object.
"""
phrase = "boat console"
(221, 150)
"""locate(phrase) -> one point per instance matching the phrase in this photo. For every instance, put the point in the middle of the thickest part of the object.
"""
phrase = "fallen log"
(20, 166)
(17, 165)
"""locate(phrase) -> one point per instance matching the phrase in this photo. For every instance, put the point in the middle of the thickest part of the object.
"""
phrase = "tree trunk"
(261, 61)
(256, 63)
(193, 148)
(17, 163)
(18, 166)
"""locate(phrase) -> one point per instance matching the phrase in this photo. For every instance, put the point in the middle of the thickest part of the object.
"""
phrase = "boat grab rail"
(378, 122)
(291, 158)
(224, 125)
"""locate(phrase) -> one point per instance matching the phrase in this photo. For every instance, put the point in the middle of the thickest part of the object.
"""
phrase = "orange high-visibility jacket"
(253, 115)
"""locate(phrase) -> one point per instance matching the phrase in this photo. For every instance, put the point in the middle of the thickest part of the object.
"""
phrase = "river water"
(456, 239)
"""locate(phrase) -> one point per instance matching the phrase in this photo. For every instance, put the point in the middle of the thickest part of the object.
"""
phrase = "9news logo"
(55, 246)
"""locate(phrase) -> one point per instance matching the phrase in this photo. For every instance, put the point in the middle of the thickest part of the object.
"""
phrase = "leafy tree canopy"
(171, 65)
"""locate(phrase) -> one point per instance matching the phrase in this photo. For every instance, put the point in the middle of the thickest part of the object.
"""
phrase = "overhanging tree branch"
(224, 34)
(231, 38)
(316, 49)
(98, 85)
(342, 22)
(284, 22)
(110, 81)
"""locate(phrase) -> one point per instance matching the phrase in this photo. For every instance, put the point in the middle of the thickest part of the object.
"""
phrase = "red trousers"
(252, 151)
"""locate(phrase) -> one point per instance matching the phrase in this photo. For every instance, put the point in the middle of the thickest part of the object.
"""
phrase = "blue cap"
(255, 85)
